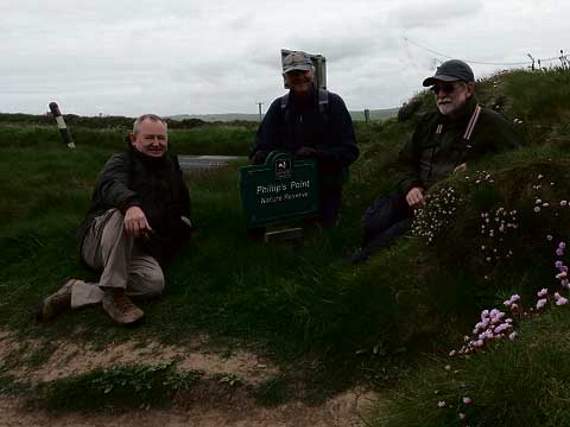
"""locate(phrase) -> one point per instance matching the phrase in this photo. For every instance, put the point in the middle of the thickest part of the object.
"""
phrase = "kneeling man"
(139, 218)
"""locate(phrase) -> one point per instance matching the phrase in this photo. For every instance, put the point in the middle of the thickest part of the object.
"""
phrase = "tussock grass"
(293, 302)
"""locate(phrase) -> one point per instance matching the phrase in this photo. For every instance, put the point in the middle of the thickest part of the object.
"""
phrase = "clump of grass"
(512, 383)
(119, 387)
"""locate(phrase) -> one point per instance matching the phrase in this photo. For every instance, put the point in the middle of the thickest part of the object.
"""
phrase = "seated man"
(310, 123)
(139, 218)
(443, 142)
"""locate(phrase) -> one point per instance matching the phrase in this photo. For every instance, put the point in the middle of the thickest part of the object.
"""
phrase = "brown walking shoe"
(120, 308)
(56, 303)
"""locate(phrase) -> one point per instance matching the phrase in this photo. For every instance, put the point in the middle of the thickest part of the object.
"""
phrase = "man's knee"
(148, 283)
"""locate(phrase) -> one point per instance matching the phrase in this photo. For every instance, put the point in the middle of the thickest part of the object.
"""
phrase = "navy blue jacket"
(301, 124)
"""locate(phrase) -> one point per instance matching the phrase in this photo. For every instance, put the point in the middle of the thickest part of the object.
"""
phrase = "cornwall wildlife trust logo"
(283, 169)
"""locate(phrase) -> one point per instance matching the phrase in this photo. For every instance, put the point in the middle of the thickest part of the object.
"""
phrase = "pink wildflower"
(541, 303)
(542, 293)
(561, 301)
(467, 400)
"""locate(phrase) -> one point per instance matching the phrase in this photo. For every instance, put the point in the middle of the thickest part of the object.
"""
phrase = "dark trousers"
(386, 219)
(329, 205)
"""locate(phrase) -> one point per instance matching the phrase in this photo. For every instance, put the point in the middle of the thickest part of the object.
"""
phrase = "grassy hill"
(389, 323)
(379, 114)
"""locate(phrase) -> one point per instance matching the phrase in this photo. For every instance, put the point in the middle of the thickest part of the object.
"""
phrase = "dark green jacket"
(157, 186)
(437, 146)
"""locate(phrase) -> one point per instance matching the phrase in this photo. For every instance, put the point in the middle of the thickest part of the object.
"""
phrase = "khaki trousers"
(108, 249)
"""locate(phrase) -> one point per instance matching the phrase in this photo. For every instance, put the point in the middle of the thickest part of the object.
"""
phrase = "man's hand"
(461, 168)
(415, 197)
(259, 157)
(306, 152)
(136, 223)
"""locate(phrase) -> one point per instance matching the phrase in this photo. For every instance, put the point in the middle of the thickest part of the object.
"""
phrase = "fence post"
(63, 130)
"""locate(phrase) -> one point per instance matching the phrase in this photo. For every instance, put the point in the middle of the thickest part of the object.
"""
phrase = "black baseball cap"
(451, 71)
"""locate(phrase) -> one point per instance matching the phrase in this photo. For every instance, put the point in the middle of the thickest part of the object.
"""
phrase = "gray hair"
(152, 117)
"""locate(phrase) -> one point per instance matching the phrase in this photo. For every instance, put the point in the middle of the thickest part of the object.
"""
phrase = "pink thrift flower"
(558, 264)
(542, 293)
(484, 314)
(515, 297)
(467, 400)
(562, 275)
(561, 301)
(541, 303)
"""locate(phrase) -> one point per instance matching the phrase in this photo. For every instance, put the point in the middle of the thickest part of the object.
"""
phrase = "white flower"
(441, 404)
(512, 336)
(467, 400)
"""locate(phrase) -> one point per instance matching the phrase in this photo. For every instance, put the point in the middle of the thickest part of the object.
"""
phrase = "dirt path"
(61, 359)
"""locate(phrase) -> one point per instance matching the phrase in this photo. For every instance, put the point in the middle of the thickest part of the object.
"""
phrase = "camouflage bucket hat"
(297, 61)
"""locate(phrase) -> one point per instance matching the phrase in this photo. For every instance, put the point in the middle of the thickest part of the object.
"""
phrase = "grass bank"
(367, 322)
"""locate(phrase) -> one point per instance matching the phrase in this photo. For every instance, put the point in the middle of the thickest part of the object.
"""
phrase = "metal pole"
(259, 104)
(63, 130)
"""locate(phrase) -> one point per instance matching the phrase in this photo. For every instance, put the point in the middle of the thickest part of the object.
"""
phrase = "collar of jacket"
(305, 102)
(151, 162)
(464, 114)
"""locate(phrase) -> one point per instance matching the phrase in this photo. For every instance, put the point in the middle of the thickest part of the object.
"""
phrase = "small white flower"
(512, 336)
(441, 404)
(467, 400)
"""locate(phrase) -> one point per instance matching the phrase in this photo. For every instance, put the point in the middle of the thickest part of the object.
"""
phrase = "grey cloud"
(432, 13)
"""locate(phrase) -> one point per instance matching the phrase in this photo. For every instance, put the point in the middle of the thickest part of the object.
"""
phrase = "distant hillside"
(380, 114)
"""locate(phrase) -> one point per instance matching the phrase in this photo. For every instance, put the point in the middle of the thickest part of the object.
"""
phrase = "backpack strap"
(323, 101)
(472, 123)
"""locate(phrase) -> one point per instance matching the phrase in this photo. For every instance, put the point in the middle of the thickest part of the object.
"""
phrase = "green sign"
(281, 190)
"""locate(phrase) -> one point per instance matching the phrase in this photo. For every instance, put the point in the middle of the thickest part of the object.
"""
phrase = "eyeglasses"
(443, 87)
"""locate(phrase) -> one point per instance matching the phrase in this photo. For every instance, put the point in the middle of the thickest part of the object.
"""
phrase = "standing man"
(139, 218)
(310, 123)
(444, 142)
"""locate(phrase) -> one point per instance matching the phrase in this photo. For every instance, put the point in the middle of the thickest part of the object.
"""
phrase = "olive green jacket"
(438, 146)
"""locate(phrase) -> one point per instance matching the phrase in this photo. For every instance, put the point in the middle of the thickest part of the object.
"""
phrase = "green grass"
(525, 382)
(368, 322)
(213, 140)
(116, 388)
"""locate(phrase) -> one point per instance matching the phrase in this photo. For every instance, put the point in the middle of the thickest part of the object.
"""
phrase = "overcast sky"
(130, 57)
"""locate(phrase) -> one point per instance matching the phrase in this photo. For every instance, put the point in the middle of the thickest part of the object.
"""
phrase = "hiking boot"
(56, 303)
(120, 308)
